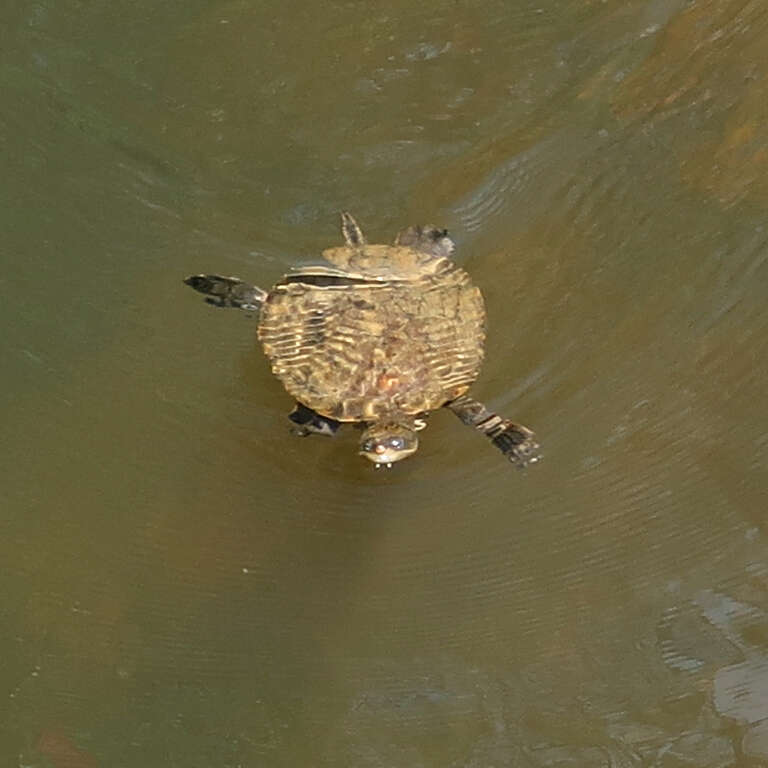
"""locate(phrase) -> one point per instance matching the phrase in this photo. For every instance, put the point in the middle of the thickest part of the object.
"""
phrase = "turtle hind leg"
(427, 239)
(515, 441)
(307, 422)
(227, 291)
(350, 229)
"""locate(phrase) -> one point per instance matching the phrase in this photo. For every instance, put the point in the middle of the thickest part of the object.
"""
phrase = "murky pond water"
(185, 584)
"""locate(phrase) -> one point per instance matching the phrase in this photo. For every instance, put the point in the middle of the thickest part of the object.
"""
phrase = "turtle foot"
(306, 422)
(223, 291)
(517, 443)
(427, 239)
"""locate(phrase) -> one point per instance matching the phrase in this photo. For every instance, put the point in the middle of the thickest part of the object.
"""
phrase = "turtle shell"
(391, 331)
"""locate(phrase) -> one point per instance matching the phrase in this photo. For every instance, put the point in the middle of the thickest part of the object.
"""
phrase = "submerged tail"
(227, 291)
(515, 441)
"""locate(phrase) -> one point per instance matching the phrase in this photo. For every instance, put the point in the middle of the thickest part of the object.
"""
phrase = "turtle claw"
(517, 443)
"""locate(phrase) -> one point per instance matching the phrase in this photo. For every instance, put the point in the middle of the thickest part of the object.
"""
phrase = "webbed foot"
(306, 422)
(427, 239)
(515, 441)
(227, 291)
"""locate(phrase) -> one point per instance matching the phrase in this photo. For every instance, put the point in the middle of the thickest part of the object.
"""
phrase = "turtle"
(379, 336)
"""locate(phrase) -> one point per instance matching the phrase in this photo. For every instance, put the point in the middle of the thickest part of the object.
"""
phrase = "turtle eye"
(397, 443)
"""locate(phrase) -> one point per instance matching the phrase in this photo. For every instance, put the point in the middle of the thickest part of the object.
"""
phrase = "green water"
(184, 584)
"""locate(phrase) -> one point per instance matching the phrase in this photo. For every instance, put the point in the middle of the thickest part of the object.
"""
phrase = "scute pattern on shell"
(370, 348)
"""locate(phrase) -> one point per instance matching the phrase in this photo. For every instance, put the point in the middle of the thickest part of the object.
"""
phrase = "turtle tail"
(515, 441)
(227, 291)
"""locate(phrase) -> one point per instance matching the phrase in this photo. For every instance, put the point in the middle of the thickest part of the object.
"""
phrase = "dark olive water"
(186, 585)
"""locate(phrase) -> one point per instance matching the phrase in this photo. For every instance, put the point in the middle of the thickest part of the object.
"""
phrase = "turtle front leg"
(515, 441)
(227, 291)
(306, 422)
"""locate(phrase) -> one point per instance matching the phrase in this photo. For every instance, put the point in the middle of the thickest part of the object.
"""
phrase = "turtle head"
(387, 442)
